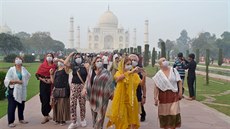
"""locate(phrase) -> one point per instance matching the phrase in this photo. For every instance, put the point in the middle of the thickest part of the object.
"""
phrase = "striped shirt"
(179, 66)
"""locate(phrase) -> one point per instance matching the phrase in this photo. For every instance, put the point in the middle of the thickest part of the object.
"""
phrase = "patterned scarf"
(101, 90)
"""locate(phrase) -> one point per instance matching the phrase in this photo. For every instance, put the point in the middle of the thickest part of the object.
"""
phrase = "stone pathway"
(195, 115)
(210, 99)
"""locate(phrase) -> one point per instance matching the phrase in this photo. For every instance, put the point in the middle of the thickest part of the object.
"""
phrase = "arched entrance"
(108, 42)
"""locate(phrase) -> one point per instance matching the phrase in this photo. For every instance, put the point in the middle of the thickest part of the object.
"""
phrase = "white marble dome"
(108, 19)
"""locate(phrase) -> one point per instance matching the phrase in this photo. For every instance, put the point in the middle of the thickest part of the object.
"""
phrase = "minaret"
(134, 38)
(146, 33)
(228, 15)
(78, 37)
(71, 33)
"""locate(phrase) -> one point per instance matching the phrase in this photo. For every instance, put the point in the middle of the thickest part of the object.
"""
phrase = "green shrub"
(10, 58)
(41, 57)
(29, 58)
(220, 57)
(163, 50)
(2, 87)
(146, 55)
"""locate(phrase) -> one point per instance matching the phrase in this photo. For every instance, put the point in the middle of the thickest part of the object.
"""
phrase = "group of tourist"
(65, 82)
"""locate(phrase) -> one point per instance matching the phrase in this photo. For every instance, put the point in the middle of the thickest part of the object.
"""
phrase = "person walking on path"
(77, 80)
(166, 96)
(43, 74)
(124, 109)
(191, 78)
(60, 93)
(16, 81)
(98, 90)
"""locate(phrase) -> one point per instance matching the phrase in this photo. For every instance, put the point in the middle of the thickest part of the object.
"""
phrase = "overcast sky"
(166, 17)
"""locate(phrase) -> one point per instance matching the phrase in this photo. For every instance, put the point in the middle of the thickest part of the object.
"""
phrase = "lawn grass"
(32, 88)
(214, 88)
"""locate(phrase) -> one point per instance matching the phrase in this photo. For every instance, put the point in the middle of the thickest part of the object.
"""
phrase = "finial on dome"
(108, 7)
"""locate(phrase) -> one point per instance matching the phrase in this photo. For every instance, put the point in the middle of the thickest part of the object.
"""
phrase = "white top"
(19, 89)
(164, 83)
(105, 59)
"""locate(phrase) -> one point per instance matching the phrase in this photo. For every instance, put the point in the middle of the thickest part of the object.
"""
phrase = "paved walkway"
(195, 115)
(216, 76)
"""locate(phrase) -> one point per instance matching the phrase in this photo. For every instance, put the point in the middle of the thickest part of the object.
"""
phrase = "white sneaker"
(73, 125)
(83, 123)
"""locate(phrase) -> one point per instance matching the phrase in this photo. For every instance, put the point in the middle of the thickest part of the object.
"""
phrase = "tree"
(220, 57)
(187, 53)
(153, 57)
(204, 41)
(224, 43)
(163, 51)
(10, 43)
(135, 50)
(197, 56)
(139, 50)
(131, 50)
(146, 55)
(169, 45)
(183, 41)
(207, 61)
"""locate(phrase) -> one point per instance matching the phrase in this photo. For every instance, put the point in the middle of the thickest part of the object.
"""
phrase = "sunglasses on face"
(99, 61)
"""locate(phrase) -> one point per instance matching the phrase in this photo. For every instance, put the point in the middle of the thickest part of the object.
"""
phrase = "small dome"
(108, 19)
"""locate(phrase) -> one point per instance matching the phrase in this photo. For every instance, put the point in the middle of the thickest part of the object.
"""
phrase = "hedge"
(10, 58)
(2, 87)
(29, 58)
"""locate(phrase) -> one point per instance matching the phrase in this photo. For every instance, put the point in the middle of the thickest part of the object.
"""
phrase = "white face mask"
(128, 67)
(165, 63)
(49, 59)
(18, 61)
(78, 60)
(134, 63)
(99, 64)
(60, 64)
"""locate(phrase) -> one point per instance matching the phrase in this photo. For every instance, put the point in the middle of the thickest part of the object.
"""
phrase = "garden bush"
(29, 58)
(2, 87)
(10, 58)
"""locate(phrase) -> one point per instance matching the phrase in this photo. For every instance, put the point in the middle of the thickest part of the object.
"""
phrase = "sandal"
(23, 122)
(12, 125)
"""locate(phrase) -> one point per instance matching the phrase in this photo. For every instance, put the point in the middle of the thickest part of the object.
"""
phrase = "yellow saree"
(124, 108)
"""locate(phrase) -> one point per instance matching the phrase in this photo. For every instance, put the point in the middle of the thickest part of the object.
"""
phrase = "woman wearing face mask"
(43, 74)
(141, 90)
(124, 109)
(98, 90)
(61, 107)
(166, 96)
(16, 81)
(113, 68)
(77, 80)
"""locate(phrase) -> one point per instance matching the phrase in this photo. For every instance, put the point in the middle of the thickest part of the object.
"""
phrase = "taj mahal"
(107, 35)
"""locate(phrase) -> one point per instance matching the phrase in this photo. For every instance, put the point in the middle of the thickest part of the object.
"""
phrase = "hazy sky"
(166, 17)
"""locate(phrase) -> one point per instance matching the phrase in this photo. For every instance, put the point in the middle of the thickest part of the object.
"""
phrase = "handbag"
(59, 93)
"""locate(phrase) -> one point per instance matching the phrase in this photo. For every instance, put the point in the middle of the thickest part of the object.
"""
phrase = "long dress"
(169, 107)
(61, 109)
(124, 109)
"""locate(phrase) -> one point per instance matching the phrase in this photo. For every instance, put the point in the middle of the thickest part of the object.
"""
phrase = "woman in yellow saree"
(124, 111)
